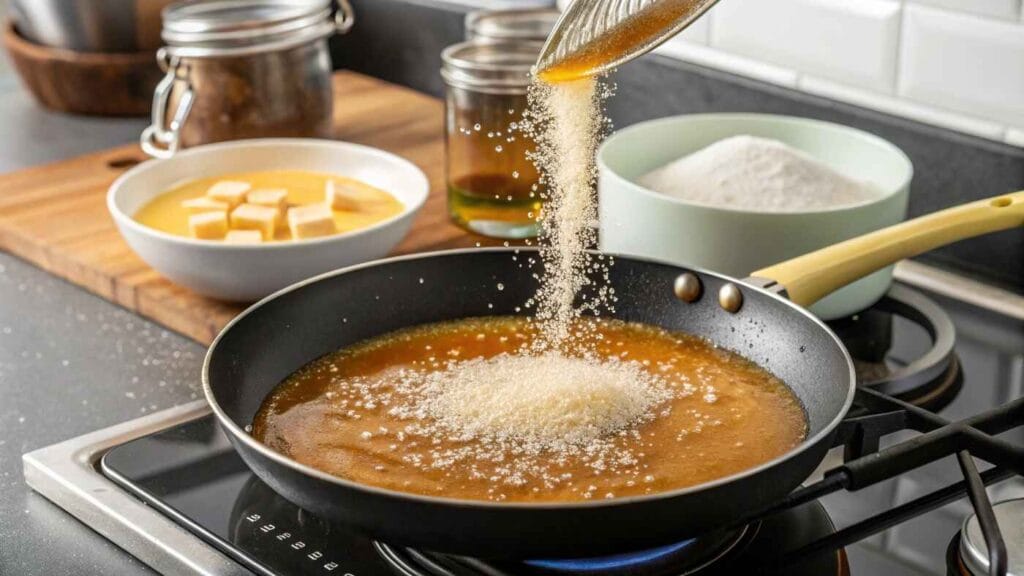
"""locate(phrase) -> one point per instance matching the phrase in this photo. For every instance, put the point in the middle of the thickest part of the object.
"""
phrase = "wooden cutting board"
(55, 216)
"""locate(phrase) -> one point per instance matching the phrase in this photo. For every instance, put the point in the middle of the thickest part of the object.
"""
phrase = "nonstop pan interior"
(762, 318)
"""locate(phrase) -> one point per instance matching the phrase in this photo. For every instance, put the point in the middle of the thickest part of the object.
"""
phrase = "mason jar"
(530, 24)
(493, 186)
(244, 69)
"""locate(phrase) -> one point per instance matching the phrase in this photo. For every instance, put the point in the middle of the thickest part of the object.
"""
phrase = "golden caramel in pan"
(471, 410)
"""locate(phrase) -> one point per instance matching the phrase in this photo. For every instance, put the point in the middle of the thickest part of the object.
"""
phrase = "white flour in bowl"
(751, 173)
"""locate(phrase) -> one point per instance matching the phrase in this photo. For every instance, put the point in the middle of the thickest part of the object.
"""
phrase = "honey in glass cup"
(493, 187)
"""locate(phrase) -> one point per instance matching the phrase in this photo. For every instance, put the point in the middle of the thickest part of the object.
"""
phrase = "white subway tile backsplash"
(1007, 9)
(851, 41)
(958, 64)
(965, 63)
(900, 107)
(705, 56)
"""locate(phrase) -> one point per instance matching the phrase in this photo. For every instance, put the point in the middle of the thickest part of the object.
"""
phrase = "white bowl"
(244, 273)
(640, 222)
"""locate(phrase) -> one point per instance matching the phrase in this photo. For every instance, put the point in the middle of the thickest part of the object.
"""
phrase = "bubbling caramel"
(462, 410)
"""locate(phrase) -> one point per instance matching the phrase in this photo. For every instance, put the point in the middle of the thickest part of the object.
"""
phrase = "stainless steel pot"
(90, 25)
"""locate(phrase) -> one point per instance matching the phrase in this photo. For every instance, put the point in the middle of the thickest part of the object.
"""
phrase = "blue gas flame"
(610, 563)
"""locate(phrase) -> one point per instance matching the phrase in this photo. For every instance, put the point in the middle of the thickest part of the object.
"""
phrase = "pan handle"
(808, 278)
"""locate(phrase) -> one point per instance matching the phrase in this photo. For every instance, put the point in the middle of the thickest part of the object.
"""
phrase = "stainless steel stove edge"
(68, 474)
(958, 287)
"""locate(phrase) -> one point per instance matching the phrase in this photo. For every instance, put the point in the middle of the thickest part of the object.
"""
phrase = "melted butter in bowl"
(167, 214)
(467, 409)
(245, 260)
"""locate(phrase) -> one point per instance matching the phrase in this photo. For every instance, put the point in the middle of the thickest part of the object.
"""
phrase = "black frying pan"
(275, 337)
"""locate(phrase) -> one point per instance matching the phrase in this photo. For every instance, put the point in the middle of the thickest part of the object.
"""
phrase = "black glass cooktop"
(191, 473)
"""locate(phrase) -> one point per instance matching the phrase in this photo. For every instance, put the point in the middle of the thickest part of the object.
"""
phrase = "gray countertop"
(70, 362)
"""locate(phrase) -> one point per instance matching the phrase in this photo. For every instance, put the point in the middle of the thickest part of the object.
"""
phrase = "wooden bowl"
(100, 84)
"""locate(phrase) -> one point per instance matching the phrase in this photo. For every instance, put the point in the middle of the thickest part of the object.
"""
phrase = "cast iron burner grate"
(922, 368)
(865, 464)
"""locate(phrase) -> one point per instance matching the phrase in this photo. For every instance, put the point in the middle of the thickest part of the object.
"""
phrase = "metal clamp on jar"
(244, 69)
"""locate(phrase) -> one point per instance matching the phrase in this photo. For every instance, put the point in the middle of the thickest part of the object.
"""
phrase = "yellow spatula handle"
(810, 277)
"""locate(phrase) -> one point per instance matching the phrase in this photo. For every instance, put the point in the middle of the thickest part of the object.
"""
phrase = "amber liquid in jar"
(492, 184)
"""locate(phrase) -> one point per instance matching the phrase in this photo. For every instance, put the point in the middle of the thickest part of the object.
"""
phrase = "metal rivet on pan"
(730, 298)
(688, 287)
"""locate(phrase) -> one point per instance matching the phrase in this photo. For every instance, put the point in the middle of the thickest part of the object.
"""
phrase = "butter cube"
(311, 221)
(243, 237)
(348, 196)
(255, 217)
(204, 204)
(276, 198)
(208, 225)
(229, 191)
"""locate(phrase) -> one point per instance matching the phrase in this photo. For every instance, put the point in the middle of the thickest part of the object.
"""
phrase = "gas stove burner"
(747, 551)
(685, 557)
(633, 561)
(903, 346)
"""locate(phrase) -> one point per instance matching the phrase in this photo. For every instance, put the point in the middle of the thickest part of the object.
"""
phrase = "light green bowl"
(640, 222)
